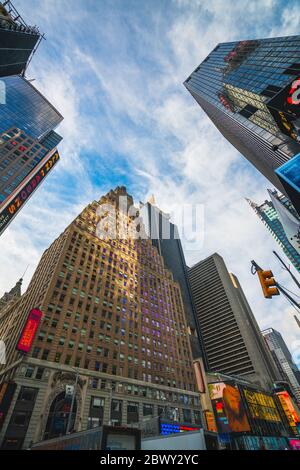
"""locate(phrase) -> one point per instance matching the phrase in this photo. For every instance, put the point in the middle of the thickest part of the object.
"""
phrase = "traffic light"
(268, 283)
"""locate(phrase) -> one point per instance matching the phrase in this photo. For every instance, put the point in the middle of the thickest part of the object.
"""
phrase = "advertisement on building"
(289, 410)
(285, 109)
(29, 331)
(210, 421)
(9, 212)
(290, 172)
(261, 406)
(230, 413)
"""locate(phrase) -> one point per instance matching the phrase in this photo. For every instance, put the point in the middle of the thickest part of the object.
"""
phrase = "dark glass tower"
(17, 41)
(283, 359)
(165, 237)
(249, 89)
(27, 141)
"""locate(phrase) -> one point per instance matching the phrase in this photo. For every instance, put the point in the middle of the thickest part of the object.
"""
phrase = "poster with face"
(228, 408)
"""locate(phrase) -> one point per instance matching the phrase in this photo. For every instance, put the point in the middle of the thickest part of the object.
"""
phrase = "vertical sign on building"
(29, 331)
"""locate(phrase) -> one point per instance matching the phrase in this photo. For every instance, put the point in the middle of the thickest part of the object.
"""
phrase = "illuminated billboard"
(210, 421)
(289, 410)
(13, 207)
(285, 109)
(29, 331)
(290, 172)
(228, 408)
(261, 406)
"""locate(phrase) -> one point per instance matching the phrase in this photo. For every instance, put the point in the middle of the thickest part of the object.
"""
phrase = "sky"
(115, 70)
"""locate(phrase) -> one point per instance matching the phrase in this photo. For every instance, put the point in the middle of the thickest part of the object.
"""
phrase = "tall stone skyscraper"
(250, 91)
(232, 340)
(282, 221)
(112, 314)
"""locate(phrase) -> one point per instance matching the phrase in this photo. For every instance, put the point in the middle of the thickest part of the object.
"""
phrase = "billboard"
(289, 410)
(29, 331)
(228, 408)
(290, 172)
(261, 406)
(210, 421)
(285, 109)
(13, 207)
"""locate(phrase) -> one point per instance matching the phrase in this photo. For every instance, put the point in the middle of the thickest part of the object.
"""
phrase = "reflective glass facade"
(27, 121)
(27, 109)
(249, 89)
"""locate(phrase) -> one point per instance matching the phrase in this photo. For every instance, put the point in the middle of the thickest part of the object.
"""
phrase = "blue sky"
(115, 70)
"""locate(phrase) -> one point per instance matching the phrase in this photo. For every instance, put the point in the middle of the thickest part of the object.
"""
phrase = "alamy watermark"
(123, 221)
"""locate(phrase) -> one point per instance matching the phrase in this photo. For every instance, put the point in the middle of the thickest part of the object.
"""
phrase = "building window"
(29, 371)
(147, 410)
(132, 413)
(187, 416)
(39, 373)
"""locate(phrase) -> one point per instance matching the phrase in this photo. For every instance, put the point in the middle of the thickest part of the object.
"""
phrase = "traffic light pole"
(255, 268)
(283, 291)
(287, 269)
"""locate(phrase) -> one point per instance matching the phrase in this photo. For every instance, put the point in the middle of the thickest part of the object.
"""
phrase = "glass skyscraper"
(283, 359)
(249, 89)
(277, 226)
(27, 139)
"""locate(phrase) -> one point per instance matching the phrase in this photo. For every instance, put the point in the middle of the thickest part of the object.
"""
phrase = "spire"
(152, 200)
(252, 204)
(14, 294)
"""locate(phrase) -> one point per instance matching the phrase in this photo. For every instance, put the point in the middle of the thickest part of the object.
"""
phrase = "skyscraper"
(282, 223)
(232, 340)
(283, 358)
(165, 237)
(112, 315)
(18, 41)
(249, 89)
(12, 295)
(27, 144)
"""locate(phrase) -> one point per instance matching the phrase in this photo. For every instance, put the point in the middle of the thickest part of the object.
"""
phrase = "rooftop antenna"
(25, 271)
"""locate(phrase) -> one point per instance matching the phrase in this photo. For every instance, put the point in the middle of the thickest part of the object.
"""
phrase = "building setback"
(232, 340)
(113, 314)
(249, 89)
(287, 238)
(283, 358)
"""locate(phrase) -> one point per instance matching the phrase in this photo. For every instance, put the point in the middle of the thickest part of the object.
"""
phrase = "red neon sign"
(188, 428)
(29, 331)
(294, 93)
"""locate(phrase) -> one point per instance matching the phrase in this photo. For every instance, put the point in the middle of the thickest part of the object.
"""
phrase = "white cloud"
(130, 68)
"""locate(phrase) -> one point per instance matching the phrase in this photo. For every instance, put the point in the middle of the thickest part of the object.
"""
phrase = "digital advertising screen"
(29, 331)
(289, 410)
(261, 406)
(9, 212)
(290, 172)
(230, 413)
